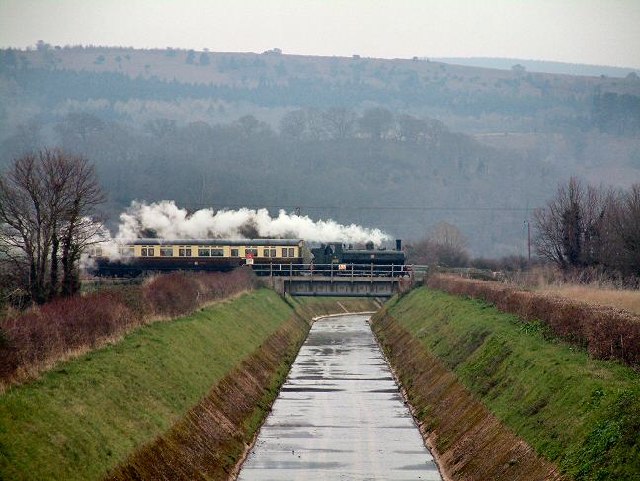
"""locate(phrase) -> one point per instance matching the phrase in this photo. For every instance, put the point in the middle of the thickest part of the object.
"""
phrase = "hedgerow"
(606, 332)
(33, 340)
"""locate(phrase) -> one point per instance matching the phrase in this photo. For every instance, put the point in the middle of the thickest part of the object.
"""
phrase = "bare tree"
(376, 122)
(316, 127)
(572, 230)
(24, 220)
(410, 128)
(340, 122)
(445, 246)
(626, 229)
(46, 203)
(448, 235)
(293, 124)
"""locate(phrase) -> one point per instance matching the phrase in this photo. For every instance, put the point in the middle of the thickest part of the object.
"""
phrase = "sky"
(598, 32)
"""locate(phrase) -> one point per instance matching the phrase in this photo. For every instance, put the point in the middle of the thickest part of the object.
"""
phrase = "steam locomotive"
(367, 261)
(266, 256)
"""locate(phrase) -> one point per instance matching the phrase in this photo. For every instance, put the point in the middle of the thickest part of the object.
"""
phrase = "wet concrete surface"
(339, 415)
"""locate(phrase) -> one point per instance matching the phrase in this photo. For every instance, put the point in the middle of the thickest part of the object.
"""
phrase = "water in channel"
(339, 415)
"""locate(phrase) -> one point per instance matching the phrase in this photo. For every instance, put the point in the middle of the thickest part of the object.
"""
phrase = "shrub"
(31, 340)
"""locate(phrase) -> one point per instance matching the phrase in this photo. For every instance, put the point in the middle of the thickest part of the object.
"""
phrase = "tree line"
(364, 158)
(587, 227)
(397, 87)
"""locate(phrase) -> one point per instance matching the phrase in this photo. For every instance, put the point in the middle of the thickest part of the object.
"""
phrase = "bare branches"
(445, 246)
(46, 203)
(591, 227)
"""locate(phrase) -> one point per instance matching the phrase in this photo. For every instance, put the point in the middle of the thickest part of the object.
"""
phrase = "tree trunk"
(53, 287)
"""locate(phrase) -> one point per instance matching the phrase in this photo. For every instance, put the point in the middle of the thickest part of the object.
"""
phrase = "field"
(620, 298)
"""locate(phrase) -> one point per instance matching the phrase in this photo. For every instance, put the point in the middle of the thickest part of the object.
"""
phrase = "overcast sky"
(603, 32)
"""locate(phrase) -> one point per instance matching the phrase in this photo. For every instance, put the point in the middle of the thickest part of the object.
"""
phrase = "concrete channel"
(339, 415)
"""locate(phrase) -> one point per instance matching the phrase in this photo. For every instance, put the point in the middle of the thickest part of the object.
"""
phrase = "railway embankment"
(499, 398)
(170, 400)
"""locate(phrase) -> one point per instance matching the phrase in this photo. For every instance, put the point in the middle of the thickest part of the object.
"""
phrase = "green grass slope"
(86, 416)
(581, 414)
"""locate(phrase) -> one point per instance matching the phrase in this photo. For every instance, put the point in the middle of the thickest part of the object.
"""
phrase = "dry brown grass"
(595, 295)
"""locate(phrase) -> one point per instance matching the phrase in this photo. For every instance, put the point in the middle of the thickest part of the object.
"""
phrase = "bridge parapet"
(340, 280)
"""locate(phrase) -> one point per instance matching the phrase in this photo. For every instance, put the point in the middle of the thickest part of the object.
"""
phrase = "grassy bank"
(605, 332)
(210, 440)
(37, 339)
(580, 413)
(86, 416)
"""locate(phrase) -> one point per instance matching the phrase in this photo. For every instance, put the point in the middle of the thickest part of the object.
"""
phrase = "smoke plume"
(167, 221)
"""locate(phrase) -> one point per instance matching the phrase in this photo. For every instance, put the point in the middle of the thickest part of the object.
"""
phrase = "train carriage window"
(272, 252)
(217, 253)
(126, 251)
(203, 252)
(147, 252)
(288, 252)
(269, 252)
(166, 251)
(235, 252)
(184, 251)
(251, 250)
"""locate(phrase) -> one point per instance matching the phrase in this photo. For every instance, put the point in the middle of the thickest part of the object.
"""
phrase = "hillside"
(540, 66)
(390, 143)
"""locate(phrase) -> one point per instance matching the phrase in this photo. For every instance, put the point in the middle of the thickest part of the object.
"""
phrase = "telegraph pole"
(528, 242)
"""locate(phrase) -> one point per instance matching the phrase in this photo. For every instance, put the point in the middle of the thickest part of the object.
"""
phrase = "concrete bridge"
(341, 280)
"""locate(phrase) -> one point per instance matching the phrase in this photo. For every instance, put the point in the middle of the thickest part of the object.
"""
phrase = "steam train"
(367, 261)
(266, 256)
(142, 256)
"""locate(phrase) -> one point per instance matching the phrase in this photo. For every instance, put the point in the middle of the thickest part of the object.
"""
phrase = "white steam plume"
(168, 221)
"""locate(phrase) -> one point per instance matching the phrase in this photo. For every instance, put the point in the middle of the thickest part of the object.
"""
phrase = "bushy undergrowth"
(31, 340)
(606, 332)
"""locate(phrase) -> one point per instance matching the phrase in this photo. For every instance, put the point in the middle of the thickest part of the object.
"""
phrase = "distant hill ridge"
(541, 66)
(273, 67)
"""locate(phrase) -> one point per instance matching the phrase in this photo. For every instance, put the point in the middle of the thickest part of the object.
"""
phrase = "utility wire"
(302, 208)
